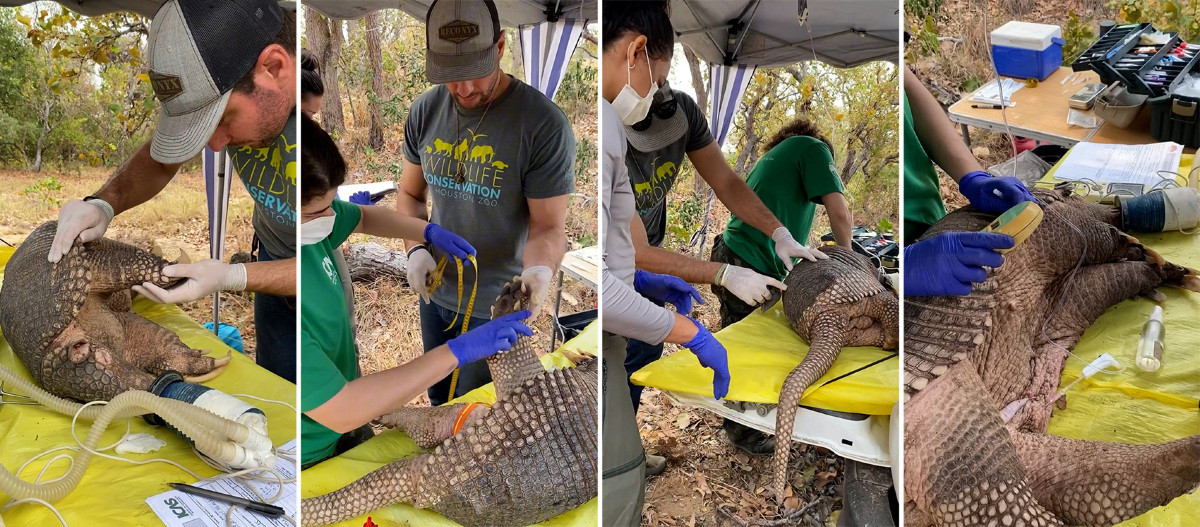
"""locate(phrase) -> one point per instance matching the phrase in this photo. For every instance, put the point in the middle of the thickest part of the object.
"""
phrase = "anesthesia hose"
(216, 437)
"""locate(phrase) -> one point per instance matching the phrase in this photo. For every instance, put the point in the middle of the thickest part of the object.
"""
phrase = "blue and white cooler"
(1027, 50)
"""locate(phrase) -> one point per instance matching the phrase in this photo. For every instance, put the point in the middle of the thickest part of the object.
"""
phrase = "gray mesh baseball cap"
(460, 40)
(198, 50)
(661, 132)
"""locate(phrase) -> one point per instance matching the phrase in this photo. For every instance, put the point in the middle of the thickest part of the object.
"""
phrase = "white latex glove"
(203, 278)
(786, 248)
(537, 278)
(85, 220)
(747, 285)
(420, 264)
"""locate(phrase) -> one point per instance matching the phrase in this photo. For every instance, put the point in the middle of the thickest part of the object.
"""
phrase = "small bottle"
(1150, 346)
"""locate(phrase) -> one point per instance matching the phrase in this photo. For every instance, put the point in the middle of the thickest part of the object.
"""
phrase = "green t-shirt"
(327, 354)
(790, 180)
(922, 194)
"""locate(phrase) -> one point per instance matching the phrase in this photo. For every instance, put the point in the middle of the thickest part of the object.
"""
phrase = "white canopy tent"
(549, 29)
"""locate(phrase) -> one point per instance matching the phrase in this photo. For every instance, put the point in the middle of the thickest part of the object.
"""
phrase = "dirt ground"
(176, 219)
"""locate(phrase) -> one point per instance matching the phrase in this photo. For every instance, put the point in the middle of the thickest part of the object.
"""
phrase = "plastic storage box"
(1025, 49)
(1174, 116)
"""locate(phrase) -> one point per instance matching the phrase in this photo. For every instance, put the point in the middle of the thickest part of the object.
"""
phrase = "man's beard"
(487, 95)
(275, 114)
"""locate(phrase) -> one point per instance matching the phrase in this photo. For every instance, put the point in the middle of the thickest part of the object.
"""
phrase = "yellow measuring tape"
(437, 281)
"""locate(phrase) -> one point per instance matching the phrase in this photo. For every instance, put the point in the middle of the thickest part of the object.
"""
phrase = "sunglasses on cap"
(663, 107)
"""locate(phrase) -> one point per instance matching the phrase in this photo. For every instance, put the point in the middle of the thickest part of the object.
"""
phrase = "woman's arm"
(366, 398)
(388, 223)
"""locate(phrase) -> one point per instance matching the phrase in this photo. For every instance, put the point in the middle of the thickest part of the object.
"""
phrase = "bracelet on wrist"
(414, 248)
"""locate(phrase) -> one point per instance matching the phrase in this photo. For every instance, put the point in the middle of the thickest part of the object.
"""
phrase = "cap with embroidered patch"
(460, 40)
(198, 50)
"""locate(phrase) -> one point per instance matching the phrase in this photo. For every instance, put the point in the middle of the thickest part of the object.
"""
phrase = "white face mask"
(630, 106)
(313, 231)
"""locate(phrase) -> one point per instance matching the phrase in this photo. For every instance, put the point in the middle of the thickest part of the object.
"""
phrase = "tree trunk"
(325, 40)
(41, 142)
(370, 261)
(698, 184)
(375, 56)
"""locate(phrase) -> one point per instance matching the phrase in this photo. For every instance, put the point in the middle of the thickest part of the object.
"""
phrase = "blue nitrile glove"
(712, 356)
(448, 242)
(981, 189)
(361, 197)
(947, 264)
(666, 288)
(489, 339)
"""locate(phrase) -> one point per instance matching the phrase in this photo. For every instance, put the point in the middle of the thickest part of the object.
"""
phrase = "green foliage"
(923, 8)
(74, 85)
(1166, 15)
(44, 190)
(1078, 35)
(970, 84)
(884, 226)
(683, 217)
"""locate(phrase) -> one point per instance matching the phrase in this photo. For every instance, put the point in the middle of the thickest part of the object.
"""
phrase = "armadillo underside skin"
(831, 303)
(981, 376)
(529, 458)
(70, 322)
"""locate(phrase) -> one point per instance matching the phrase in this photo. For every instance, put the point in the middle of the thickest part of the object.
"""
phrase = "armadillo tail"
(397, 482)
(828, 331)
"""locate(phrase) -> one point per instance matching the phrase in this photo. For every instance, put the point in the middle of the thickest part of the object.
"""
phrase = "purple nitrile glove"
(361, 197)
(712, 356)
(993, 194)
(947, 264)
(496, 336)
(448, 242)
(666, 288)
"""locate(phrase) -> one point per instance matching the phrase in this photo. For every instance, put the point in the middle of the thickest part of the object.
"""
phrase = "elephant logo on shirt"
(641, 187)
(482, 154)
(664, 171)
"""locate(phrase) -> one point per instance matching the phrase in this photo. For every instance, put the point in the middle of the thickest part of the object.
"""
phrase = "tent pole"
(218, 236)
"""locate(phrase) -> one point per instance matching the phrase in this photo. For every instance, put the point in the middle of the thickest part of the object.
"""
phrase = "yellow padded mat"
(763, 350)
(1134, 406)
(394, 445)
(112, 492)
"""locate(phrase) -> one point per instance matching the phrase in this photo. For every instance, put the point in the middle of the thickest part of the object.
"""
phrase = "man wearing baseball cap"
(225, 74)
(496, 158)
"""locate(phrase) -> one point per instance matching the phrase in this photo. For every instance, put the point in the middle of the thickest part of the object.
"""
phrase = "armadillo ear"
(79, 351)
(183, 257)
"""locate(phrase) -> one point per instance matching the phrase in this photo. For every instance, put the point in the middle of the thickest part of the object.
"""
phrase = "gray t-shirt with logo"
(524, 148)
(270, 177)
(652, 174)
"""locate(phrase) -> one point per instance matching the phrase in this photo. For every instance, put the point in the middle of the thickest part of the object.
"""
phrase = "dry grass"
(176, 219)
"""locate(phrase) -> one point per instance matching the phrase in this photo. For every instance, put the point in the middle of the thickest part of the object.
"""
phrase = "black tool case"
(1176, 117)
(1111, 47)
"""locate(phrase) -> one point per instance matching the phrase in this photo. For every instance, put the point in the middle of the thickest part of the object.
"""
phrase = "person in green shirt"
(337, 403)
(946, 264)
(795, 173)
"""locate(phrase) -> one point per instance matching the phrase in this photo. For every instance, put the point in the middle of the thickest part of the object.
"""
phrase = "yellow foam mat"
(763, 350)
(1134, 406)
(112, 492)
(394, 445)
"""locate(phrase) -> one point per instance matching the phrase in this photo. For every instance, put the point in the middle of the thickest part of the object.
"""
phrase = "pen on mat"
(256, 506)
(986, 106)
